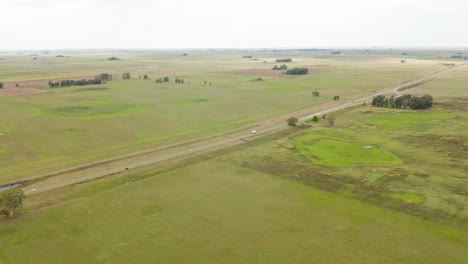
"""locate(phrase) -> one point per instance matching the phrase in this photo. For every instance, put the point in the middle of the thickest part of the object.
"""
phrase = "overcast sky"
(70, 24)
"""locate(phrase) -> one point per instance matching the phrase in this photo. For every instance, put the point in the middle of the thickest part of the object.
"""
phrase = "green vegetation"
(330, 151)
(292, 121)
(282, 67)
(382, 185)
(405, 160)
(284, 60)
(220, 213)
(404, 101)
(90, 123)
(297, 71)
(10, 200)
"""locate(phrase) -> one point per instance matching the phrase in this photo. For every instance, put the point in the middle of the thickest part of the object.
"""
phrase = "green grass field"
(381, 186)
(220, 213)
(413, 161)
(67, 127)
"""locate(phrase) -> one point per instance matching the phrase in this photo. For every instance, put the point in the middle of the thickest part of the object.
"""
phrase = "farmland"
(67, 127)
(379, 186)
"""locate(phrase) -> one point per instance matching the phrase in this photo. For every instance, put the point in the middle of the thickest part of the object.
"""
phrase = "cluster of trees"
(336, 97)
(67, 83)
(403, 61)
(10, 200)
(448, 64)
(162, 79)
(335, 52)
(404, 101)
(297, 71)
(177, 80)
(282, 67)
(126, 76)
(284, 60)
(316, 93)
(1, 85)
(104, 77)
(247, 56)
(113, 58)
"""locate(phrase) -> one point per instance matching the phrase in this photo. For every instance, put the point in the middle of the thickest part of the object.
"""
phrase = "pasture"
(68, 127)
(216, 212)
(380, 186)
(412, 161)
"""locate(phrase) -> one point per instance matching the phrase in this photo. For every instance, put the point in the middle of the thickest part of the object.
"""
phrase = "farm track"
(197, 147)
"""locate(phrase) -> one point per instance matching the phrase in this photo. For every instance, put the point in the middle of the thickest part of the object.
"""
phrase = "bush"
(297, 71)
(292, 121)
(315, 119)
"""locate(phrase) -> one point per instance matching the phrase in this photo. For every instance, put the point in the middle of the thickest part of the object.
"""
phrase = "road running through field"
(262, 132)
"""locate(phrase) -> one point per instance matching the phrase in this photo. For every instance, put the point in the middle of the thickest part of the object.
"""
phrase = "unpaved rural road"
(226, 142)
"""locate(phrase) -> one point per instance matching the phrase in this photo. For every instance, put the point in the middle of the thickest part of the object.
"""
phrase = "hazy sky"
(56, 24)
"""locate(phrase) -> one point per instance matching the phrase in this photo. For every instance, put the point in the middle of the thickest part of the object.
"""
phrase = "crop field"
(59, 128)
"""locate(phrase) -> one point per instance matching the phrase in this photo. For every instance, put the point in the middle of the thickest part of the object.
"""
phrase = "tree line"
(404, 101)
(297, 71)
(284, 60)
(282, 67)
(67, 83)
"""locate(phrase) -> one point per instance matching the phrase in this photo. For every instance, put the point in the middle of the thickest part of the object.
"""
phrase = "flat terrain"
(68, 127)
(380, 186)
(219, 213)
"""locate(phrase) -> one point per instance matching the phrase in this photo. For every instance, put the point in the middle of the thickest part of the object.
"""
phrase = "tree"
(145, 77)
(378, 100)
(292, 121)
(297, 71)
(315, 93)
(1, 85)
(315, 118)
(336, 97)
(126, 76)
(11, 199)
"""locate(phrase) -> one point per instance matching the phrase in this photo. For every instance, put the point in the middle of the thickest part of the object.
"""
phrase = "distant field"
(66, 127)
(221, 213)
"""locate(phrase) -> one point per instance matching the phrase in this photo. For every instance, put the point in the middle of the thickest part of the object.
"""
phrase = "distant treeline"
(284, 60)
(67, 83)
(282, 67)
(297, 71)
(404, 101)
